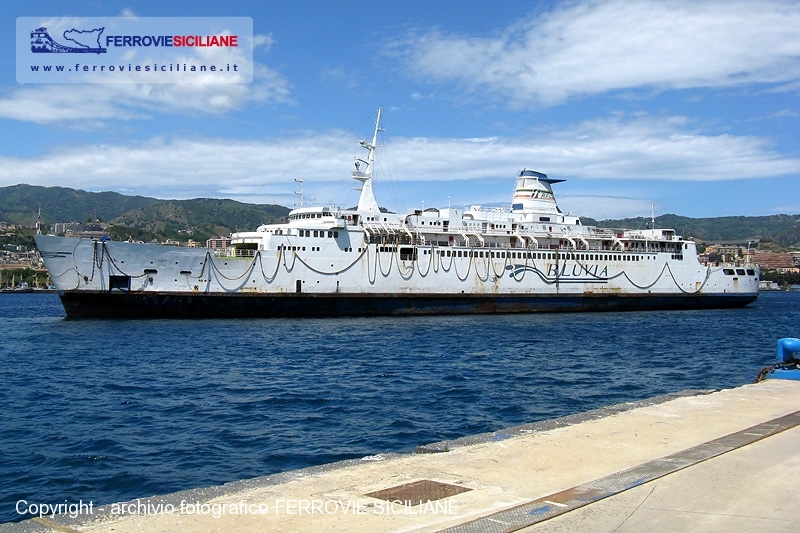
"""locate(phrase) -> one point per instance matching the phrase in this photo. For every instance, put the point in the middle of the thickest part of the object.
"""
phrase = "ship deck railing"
(387, 228)
(236, 252)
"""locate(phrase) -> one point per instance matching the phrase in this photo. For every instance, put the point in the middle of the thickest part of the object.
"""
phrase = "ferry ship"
(362, 261)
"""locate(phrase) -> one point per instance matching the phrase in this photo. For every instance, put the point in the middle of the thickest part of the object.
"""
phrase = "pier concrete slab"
(722, 462)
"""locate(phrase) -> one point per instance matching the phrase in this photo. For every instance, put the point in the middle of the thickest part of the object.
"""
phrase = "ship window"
(751, 272)
(544, 219)
(728, 271)
(740, 271)
(408, 254)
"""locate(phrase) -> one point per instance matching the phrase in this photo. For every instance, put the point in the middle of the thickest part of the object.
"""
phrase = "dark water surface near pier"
(112, 410)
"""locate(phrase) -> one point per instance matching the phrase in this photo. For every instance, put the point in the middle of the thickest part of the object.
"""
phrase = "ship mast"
(366, 202)
(301, 181)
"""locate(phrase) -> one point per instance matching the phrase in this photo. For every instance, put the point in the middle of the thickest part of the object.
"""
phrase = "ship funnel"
(533, 193)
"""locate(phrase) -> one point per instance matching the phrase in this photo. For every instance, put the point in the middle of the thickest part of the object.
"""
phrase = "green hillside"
(19, 204)
(143, 218)
(780, 229)
(203, 217)
(138, 217)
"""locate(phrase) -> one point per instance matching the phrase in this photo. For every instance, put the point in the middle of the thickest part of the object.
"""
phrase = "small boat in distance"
(330, 262)
(13, 286)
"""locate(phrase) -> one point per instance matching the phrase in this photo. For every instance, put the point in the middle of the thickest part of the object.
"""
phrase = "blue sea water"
(112, 410)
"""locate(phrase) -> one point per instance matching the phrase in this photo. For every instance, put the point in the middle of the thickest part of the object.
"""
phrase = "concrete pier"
(697, 461)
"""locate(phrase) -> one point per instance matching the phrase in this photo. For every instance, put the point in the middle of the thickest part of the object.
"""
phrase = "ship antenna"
(653, 216)
(300, 193)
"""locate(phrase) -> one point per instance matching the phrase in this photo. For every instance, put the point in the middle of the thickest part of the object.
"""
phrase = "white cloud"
(664, 148)
(593, 47)
(605, 207)
(640, 149)
(126, 101)
(263, 41)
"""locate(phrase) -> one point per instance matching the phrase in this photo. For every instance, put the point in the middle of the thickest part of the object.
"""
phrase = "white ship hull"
(110, 278)
(327, 261)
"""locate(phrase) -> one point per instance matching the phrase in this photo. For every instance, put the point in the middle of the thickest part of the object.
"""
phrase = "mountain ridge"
(201, 218)
(136, 216)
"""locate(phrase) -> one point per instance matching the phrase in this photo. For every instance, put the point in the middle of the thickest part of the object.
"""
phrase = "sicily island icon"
(87, 41)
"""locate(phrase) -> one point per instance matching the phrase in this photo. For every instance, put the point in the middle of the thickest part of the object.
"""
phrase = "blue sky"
(691, 106)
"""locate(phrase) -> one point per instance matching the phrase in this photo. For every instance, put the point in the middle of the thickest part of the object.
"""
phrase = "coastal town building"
(218, 243)
(782, 262)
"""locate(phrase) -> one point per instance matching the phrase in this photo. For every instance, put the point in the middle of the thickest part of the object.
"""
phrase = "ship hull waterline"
(121, 304)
